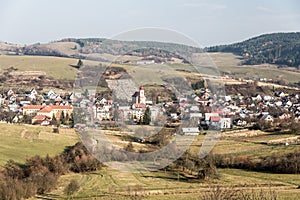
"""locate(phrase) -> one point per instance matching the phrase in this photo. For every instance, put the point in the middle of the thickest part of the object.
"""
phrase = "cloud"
(209, 6)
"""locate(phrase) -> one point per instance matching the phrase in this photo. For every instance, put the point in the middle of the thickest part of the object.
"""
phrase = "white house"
(225, 123)
(145, 62)
(190, 131)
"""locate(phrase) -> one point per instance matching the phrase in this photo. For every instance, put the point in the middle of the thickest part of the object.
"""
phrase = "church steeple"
(142, 92)
(142, 95)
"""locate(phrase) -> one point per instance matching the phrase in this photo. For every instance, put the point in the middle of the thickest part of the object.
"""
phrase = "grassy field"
(55, 67)
(112, 184)
(229, 63)
(211, 63)
(19, 142)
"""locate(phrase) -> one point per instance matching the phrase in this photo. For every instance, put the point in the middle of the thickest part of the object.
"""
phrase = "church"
(139, 96)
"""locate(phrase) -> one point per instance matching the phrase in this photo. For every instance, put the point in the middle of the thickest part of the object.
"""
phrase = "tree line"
(276, 48)
(287, 163)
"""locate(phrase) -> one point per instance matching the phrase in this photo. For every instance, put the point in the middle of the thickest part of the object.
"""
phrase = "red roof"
(141, 87)
(139, 105)
(46, 109)
(33, 107)
(39, 107)
(214, 118)
(40, 117)
(61, 107)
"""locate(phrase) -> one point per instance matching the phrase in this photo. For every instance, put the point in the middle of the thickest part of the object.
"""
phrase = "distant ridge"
(275, 48)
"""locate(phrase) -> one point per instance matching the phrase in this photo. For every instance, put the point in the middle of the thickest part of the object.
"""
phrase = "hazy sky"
(208, 22)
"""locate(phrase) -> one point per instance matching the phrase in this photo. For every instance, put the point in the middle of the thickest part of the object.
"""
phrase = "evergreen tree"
(147, 116)
(62, 118)
(67, 119)
(53, 120)
(71, 122)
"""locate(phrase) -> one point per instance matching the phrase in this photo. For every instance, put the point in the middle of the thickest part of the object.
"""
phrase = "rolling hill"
(282, 49)
(276, 48)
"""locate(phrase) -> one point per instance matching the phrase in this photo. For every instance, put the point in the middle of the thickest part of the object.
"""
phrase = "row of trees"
(288, 163)
(39, 175)
(64, 119)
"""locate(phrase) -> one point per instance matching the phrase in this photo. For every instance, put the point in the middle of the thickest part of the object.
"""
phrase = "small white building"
(145, 62)
(190, 131)
(225, 123)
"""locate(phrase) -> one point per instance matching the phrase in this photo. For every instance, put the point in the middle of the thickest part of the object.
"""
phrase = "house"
(2, 101)
(145, 62)
(268, 98)
(257, 98)
(103, 101)
(41, 120)
(174, 116)
(284, 116)
(102, 114)
(208, 115)
(33, 92)
(225, 123)
(42, 112)
(31, 109)
(10, 92)
(46, 111)
(267, 118)
(13, 107)
(282, 94)
(190, 131)
(227, 98)
(50, 93)
(241, 122)
(214, 121)
(137, 114)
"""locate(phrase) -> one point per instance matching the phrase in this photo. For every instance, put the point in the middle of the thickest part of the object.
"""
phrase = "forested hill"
(275, 48)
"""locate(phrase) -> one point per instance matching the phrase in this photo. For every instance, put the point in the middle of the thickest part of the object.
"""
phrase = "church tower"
(142, 95)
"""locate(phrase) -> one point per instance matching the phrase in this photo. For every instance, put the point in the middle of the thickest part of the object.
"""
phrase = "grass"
(55, 67)
(230, 63)
(112, 184)
(19, 142)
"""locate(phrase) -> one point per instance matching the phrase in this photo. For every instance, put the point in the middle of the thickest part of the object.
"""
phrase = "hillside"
(276, 48)
(99, 49)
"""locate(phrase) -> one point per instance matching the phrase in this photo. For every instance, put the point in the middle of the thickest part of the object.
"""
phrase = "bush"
(72, 187)
(235, 193)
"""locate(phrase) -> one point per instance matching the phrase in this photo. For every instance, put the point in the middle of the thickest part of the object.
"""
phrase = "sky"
(210, 22)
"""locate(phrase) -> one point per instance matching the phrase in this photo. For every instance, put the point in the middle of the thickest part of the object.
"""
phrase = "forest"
(277, 48)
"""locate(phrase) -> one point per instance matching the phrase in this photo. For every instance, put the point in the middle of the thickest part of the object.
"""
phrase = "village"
(236, 111)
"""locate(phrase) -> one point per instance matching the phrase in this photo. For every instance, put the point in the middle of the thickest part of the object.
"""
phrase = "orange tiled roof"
(39, 117)
(33, 107)
(61, 107)
(139, 105)
(46, 109)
